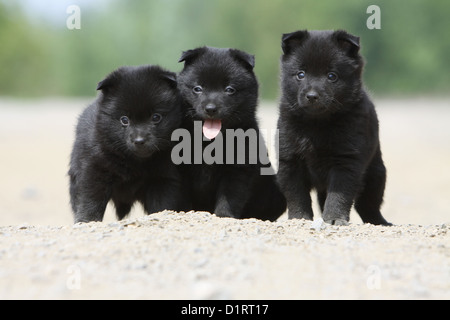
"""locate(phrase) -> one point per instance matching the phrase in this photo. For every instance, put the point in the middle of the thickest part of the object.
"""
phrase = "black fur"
(328, 129)
(228, 190)
(127, 159)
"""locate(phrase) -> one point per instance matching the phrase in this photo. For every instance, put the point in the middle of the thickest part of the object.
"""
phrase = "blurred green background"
(40, 56)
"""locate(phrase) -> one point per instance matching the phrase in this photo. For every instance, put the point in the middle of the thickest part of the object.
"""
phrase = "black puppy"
(328, 129)
(220, 92)
(122, 147)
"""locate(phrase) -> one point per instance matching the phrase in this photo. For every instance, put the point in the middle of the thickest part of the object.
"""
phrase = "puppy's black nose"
(139, 140)
(312, 96)
(211, 109)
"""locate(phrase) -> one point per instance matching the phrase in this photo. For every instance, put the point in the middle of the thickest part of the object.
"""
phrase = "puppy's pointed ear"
(105, 83)
(247, 60)
(190, 55)
(292, 40)
(109, 82)
(347, 42)
(170, 77)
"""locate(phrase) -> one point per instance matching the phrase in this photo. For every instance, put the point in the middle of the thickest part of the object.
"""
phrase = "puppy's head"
(321, 71)
(219, 87)
(139, 107)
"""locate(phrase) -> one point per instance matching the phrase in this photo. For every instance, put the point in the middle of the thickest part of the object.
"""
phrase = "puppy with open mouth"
(220, 91)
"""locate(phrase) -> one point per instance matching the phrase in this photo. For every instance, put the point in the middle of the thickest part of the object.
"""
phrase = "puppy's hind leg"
(369, 201)
(321, 197)
(122, 209)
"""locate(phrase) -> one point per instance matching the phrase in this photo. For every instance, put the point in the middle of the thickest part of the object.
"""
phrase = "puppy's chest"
(311, 144)
(206, 177)
(322, 148)
(127, 190)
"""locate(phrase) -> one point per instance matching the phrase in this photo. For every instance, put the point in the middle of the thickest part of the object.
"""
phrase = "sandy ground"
(199, 256)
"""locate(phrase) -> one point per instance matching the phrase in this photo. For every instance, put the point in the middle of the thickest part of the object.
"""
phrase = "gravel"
(197, 255)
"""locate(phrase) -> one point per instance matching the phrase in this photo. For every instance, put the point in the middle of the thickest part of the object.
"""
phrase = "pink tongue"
(211, 128)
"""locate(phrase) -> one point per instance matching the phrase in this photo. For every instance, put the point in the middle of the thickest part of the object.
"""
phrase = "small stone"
(318, 224)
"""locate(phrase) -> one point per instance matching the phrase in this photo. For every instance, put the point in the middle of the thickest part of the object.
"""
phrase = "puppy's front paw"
(337, 222)
(299, 215)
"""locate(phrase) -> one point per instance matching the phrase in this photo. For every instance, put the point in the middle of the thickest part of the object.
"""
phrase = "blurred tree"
(22, 55)
(38, 57)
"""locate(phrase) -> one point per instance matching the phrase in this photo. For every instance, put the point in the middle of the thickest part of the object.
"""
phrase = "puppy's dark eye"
(332, 77)
(301, 75)
(156, 118)
(124, 121)
(197, 89)
(230, 90)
